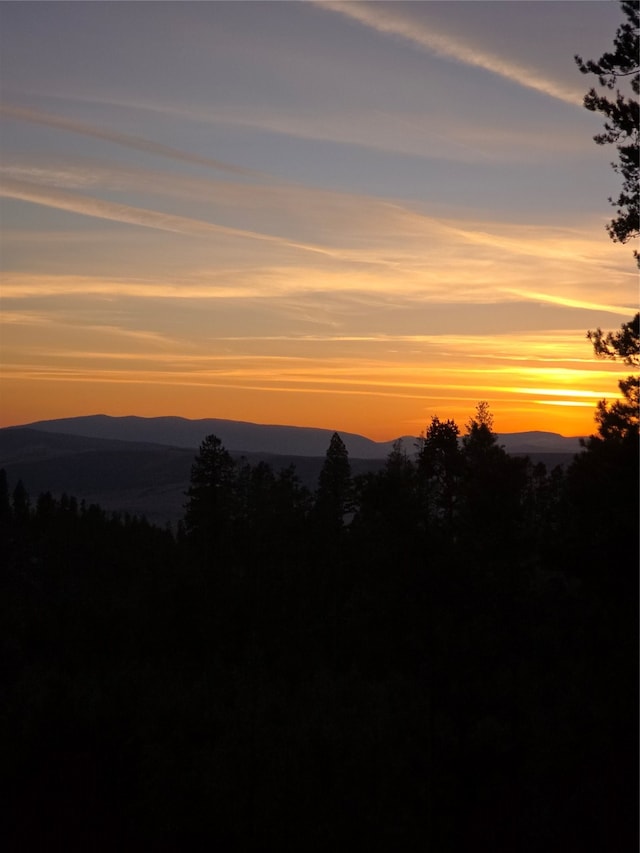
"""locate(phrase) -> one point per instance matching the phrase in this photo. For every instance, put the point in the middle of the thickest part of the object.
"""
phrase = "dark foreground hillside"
(438, 655)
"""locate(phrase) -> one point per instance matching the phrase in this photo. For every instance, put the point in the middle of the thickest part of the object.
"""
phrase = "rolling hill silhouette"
(142, 465)
(267, 438)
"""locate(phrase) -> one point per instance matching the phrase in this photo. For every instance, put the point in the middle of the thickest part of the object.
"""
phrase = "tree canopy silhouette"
(439, 464)
(333, 497)
(620, 419)
(621, 112)
(212, 491)
(623, 345)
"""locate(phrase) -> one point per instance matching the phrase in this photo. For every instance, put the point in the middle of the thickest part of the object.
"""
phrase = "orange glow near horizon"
(379, 394)
(343, 239)
(363, 413)
(373, 348)
(372, 319)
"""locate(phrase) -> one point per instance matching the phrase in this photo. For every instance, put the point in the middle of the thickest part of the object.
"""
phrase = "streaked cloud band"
(426, 37)
(136, 142)
(88, 206)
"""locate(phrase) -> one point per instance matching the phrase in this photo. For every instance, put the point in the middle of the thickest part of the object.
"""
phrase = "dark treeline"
(441, 656)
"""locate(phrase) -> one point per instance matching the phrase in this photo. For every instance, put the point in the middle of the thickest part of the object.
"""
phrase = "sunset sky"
(343, 215)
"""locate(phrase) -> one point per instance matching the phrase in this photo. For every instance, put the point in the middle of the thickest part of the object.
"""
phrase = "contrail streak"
(63, 200)
(125, 139)
(378, 17)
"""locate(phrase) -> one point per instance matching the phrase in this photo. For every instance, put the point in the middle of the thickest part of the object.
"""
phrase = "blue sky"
(348, 215)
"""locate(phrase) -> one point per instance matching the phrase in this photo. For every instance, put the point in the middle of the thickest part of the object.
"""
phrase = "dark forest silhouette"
(442, 653)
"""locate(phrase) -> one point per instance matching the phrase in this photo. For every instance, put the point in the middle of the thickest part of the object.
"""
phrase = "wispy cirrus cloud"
(392, 131)
(385, 18)
(326, 211)
(129, 141)
(337, 220)
(353, 242)
(26, 285)
(71, 177)
(569, 302)
(102, 209)
(370, 379)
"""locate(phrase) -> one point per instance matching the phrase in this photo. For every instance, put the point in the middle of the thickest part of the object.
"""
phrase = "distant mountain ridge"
(244, 436)
(139, 478)
(142, 465)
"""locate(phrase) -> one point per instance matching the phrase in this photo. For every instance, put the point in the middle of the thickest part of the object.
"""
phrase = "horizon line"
(262, 424)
